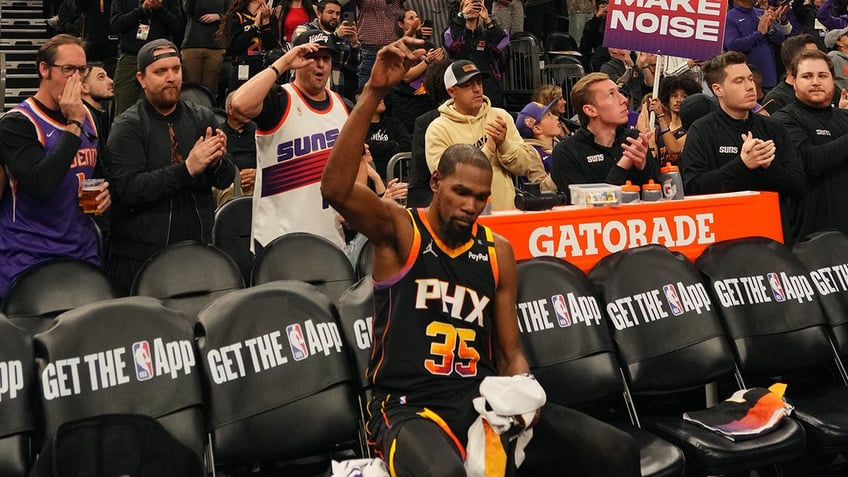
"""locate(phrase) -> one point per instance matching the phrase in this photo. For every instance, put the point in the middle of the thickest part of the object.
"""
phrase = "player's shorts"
(453, 413)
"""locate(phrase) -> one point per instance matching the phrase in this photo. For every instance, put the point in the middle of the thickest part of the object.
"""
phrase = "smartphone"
(427, 23)
(349, 17)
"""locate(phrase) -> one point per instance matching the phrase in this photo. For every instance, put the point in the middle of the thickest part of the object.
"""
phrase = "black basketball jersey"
(433, 320)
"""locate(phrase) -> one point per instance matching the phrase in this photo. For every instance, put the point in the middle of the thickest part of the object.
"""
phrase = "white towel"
(360, 468)
(506, 403)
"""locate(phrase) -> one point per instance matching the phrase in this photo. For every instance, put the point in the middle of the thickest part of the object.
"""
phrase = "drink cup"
(90, 189)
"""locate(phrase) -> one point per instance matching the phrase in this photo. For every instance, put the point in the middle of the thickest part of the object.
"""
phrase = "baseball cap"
(323, 40)
(531, 114)
(146, 53)
(833, 36)
(460, 72)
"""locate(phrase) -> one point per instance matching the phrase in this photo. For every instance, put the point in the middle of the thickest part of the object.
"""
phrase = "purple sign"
(686, 28)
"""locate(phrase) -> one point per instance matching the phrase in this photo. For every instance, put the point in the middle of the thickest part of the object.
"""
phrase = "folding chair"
(570, 351)
(778, 331)
(670, 340)
(187, 275)
(50, 288)
(825, 255)
(308, 258)
(18, 394)
(356, 311)
(127, 356)
(280, 384)
(231, 232)
(197, 94)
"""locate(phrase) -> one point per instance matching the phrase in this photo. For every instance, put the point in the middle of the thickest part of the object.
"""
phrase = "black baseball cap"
(461, 72)
(146, 54)
(318, 37)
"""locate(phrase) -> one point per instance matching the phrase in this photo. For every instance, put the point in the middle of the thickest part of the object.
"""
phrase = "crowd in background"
(146, 139)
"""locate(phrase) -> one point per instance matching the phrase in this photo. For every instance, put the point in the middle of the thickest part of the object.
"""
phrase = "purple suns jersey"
(33, 230)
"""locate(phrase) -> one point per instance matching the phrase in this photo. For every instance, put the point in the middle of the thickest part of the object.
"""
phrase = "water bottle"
(651, 192)
(629, 193)
(671, 181)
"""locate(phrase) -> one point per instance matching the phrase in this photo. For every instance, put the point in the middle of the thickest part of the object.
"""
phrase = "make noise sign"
(686, 28)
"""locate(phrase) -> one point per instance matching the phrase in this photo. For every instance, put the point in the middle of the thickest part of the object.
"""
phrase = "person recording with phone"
(410, 98)
(473, 35)
(342, 79)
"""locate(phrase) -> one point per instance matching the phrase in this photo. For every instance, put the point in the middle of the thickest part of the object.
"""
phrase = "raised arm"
(248, 98)
(386, 224)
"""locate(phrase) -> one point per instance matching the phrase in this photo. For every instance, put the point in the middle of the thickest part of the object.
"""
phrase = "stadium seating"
(308, 258)
(127, 356)
(18, 393)
(50, 288)
(778, 332)
(279, 380)
(231, 232)
(824, 255)
(569, 349)
(186, 276)
(669, 340)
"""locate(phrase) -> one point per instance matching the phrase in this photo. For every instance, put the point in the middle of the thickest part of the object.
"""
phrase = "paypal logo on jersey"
(307, 144)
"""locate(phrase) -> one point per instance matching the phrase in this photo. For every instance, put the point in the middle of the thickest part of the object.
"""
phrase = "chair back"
(280, 385)
(50, 288)
(231, 232)
(187, 275)
(523, 72)
(825, 256)
(768, 305)
(18, 394)
(563, 333)
(356, 316)
(197, 94)
(129, 355)
(560, 41)
(116, 444)
(308, 258)
(365, 261)
(663, 322)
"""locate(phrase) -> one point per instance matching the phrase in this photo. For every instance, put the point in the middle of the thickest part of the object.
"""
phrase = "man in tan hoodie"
(469, 118)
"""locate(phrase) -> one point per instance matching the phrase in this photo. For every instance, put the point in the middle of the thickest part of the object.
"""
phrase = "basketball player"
(444, 292)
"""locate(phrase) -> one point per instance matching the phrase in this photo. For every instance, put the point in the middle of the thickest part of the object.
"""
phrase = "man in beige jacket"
(469, 118)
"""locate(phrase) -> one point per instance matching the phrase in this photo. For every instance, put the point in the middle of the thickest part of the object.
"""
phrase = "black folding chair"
(670, 341)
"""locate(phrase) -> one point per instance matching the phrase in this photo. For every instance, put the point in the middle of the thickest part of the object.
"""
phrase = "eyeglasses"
(69, 70)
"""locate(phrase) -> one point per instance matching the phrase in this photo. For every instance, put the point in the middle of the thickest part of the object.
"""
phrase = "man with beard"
(820, 134)
(48, 144)
(733, 149)
(163, 158)
(347, 41)
(296, 126)
(436, 347)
